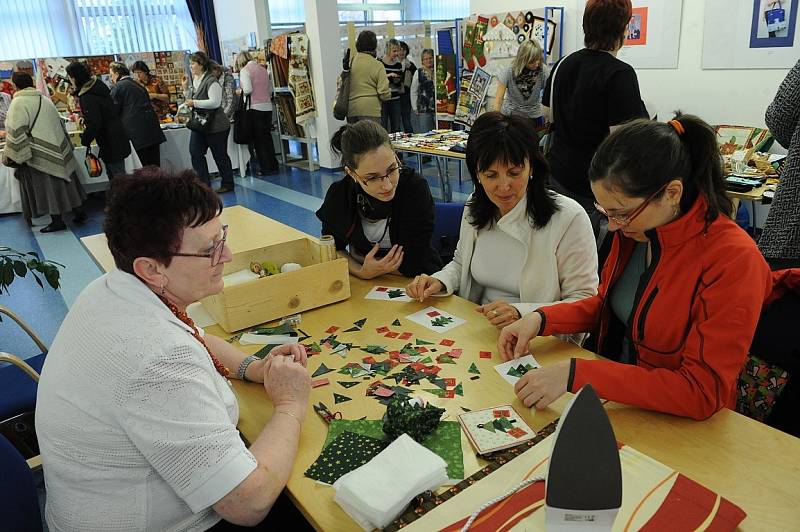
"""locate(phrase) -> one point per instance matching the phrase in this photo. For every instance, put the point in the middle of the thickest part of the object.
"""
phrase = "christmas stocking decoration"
(469, 43)
(477, 45)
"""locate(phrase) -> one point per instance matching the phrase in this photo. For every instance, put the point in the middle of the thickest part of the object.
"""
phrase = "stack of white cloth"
(375, 493)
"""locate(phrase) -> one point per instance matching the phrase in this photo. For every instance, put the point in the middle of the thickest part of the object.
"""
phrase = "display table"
(9, 191)
(718, 452)
(435, 144)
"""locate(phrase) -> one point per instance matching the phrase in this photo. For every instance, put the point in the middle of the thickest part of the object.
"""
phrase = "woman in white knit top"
(521, 246)
(135, 415)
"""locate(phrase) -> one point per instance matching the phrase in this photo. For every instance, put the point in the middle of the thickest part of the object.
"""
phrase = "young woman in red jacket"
(680, 293)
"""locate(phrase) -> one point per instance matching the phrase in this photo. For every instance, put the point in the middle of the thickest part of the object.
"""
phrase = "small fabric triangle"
(396, 323)
(321, 370)
(459, 389)
(352, 329)
(423, 342)
(474, 369)
(340, 398)
(360, 323)
(348, 384)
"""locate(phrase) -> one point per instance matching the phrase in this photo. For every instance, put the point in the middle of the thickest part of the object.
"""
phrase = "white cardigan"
(560, 259)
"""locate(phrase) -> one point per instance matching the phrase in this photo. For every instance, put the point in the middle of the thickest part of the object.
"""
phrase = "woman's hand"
(514, 338)
(499, 313)
(423, 286)
(296, 351)
(287, 383)
(372, 267)
(189, 103)
(540, 387)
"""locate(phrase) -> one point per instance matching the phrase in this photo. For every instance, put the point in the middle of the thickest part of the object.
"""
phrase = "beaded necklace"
(219, 366)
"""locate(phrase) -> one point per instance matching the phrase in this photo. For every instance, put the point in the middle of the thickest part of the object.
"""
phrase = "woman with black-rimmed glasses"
(134, 398)
(380, 214)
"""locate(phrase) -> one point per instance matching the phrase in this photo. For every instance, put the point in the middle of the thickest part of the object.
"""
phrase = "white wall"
(235, 18)
(718, 96)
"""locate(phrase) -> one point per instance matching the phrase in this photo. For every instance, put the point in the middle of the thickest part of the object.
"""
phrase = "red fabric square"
(485, 354)
(433, 313)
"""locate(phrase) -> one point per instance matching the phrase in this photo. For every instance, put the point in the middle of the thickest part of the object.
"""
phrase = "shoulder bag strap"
(36, 117)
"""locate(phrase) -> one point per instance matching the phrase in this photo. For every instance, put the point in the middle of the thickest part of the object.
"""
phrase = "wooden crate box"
(254, 302)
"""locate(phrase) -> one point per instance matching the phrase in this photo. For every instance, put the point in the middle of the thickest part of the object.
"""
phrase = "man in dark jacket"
(101, 120)
(138, 117)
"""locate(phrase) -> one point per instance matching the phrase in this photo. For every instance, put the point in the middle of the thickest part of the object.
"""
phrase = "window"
(52, 28)
(371, 10)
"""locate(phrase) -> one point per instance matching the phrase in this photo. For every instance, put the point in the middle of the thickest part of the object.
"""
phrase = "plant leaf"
(20, 269)
(38, 280)
(52, 275)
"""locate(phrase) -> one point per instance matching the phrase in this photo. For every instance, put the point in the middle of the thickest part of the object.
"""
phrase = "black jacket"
(411, 224)
(101, 122)
(137, 114)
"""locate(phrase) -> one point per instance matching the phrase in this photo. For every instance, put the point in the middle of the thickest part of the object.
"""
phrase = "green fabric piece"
(347, 452)
(352, 329)
(321, 370)
(374, 349)
(396, 322)
(408, 350)
(348, 384)
(519, 371)
(426, 360)
(395, 293)
(438, 392)
(412, 419)
(280, 329)
(459, 389)
(474, 369)
(360, 323)
(445, 440)
(340, 398)
(422, 342)
(441, 321)
(445, 359)
(264, 351)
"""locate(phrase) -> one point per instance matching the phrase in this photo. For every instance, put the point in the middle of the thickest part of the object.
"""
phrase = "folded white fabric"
(266, 339)
(242, 276)
(375, 493)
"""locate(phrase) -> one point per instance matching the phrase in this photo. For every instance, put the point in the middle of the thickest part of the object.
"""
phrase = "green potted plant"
(15, 264)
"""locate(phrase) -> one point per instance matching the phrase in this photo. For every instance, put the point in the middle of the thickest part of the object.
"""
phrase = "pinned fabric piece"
(344, 454)
(375, 493)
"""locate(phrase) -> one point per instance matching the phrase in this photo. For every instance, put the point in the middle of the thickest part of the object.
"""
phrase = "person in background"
(682, 288)
(391, 116)
(780, 240)
(157, 89)
(405, 97)
(5, 103)
(520, 246)
(135, 399)
(422, 96)
(24, 66)
(594, 93)
(519, 87)
(138, 117)
(381, 211)
(205, 94)
(369, 86)
(38, 147)
(225, 78)
(101, 119)
(256, 84)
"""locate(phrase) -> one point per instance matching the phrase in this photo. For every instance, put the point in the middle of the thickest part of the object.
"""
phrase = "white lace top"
(137, 429)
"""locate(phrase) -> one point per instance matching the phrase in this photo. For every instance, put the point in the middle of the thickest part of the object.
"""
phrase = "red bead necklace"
(220, 367)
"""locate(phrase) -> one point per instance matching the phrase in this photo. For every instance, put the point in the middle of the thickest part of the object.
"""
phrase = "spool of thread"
(327, 248)
(290, 267)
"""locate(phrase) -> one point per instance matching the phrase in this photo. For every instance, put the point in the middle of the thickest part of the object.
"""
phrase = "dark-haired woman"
(594, 93)
(134, 399)
(156, 88)
(204, 96)
(521, 246)
(101, 119)
(380, 214)
(138, 117)
(681, 291)
(369, 86)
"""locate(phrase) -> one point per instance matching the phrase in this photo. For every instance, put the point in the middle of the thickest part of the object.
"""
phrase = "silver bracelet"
(243, 366)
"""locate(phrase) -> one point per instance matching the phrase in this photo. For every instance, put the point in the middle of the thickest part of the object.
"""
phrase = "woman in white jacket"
(521, 246)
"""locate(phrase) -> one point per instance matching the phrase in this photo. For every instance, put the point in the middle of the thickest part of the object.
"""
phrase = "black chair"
(19, 511)
(18, 385)
(446, 229)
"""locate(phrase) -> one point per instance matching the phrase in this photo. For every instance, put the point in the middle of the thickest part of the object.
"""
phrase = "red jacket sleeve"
(723, 319)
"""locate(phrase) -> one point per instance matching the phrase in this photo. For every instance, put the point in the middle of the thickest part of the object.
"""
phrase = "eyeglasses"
(625, 221)
(393, 172)
(215, 254)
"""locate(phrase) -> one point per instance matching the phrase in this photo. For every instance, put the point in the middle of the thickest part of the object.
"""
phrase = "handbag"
(242, 126)
(93, 165)
(547, 139)
(201, 120)
(342, 102)
(775, 17)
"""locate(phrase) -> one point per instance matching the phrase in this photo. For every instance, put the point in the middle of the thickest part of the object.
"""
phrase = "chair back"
(19, 510)
(446, 229)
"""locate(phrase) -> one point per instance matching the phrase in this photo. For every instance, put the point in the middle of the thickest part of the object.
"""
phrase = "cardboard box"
(269, 298)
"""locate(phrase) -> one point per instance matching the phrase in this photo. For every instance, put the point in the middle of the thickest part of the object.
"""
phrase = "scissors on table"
(326, 414)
